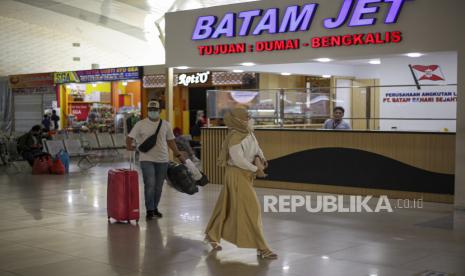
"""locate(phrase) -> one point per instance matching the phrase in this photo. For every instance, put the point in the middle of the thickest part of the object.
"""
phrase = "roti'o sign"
(197, 78)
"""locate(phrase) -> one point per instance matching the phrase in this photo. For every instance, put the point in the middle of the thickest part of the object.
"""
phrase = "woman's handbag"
(150, 142)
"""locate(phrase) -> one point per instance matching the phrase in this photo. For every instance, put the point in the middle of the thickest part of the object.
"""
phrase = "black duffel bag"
(150, 142)
(180, 179)
(202, 181)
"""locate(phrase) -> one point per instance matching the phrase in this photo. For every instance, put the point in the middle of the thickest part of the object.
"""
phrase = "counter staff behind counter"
(337, 122)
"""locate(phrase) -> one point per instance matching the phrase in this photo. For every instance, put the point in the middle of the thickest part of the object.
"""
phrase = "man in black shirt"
(55, 119)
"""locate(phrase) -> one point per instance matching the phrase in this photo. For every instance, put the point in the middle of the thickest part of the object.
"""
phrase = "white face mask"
(251, 124)
(154, 115)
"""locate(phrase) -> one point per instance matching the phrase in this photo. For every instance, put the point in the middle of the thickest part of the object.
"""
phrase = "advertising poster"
(80, 111)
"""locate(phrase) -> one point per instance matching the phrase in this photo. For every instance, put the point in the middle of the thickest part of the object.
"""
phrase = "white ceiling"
(38, 35)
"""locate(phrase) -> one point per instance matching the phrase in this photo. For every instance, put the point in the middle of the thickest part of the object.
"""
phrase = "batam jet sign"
(296, 18)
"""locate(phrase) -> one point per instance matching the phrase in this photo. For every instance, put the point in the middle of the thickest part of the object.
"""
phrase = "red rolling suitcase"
(123, 195)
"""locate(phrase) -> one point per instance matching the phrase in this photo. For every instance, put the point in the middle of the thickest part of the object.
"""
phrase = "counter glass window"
(428, 108)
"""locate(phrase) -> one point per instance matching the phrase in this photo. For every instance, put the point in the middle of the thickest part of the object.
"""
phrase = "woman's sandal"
(267, 254)
(215, 245)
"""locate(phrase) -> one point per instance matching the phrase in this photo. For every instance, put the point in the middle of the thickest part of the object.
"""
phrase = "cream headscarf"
(236, 120)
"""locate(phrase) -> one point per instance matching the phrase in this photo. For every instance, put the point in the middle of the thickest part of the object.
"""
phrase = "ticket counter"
(396, 164)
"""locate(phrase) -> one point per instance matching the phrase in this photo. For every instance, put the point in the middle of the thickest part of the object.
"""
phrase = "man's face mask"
(154, 115)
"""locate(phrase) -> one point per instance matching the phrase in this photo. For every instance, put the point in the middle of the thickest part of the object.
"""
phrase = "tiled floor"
(57, 225)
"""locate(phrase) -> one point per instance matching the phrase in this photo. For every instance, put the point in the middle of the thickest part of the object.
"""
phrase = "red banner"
(80, 111)
(31, 80)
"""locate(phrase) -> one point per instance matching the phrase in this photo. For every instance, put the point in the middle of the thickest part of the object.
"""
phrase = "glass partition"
(429, 108)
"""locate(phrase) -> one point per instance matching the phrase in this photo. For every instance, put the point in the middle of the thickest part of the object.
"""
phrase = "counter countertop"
(344, 131)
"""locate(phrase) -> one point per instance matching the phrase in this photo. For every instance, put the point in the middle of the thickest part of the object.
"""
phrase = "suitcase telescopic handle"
(132, 160)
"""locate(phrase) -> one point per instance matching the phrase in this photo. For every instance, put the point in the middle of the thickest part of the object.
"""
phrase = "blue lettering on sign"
(295, 18)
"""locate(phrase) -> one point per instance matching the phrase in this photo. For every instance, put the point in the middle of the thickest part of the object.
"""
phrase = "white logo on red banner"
(428, 72)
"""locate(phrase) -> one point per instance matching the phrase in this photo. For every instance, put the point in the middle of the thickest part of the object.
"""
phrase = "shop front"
(33, 96)
(398, 86)
(102, 100)
(190, 94)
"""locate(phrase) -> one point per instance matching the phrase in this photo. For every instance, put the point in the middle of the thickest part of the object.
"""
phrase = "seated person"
(30, 144)
(337, 122)
(183, 145)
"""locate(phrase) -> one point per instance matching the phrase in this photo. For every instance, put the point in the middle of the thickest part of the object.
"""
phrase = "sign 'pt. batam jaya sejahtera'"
(296, 19)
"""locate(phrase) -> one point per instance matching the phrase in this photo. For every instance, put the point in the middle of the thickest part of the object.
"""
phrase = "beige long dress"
(237, 214)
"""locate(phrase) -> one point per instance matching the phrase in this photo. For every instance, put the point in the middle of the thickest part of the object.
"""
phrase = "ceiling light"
(182, 67)
(414, 55)
(325, 257)
(125, 83)
(247, 64)
(286, 74)
(326, 76)
(375, 61)
(94, 85)
(238, 71)
(323, 59)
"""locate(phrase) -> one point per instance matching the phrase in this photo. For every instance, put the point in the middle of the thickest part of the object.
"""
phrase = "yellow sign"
(65, 77)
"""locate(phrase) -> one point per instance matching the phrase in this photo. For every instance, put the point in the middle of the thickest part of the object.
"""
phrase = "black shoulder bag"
(150, 142)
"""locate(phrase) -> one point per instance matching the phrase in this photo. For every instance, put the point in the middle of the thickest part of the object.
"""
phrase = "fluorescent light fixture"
(325, 257)
(375, 61)
(286, 74)
(238, 71)
(182, 67)
(285, 267)
(323, 59)
(326, 76)
(94, 85)
(125, 83)
(414, 55)
(247, 64)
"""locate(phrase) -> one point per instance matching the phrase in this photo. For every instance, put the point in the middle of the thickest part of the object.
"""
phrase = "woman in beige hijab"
(237, 214)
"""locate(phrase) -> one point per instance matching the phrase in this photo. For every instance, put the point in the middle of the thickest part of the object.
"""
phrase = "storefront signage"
(111, 74)
(31, 80)
(198, 78)
(420, 97)
(296, 18)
